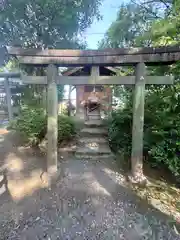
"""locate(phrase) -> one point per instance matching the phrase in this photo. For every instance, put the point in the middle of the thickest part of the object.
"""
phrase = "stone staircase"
(93, 143)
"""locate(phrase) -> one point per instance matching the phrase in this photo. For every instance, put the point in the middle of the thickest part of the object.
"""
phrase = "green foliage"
(45, 23)
(120, 130)
(139, 23)
(60, 89)
(32, 124)
(132, 20)
(31, 95)
(149, 23)
(11, 65)
(66, 128)
(161, 129)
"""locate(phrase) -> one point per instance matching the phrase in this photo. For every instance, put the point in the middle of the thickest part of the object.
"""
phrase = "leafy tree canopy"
(135, 22)
(149, 23)
(132, 20)
(46, 23)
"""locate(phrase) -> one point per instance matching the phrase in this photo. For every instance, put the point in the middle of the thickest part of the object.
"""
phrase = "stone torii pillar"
(138, 124)
(6, 76)
(52, 124)
(8, 98)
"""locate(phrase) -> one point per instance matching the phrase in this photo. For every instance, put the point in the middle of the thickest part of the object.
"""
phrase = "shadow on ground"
(162, 190)
(20, 166)
(90, 200)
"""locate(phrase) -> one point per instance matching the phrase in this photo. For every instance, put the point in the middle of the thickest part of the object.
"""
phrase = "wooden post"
(8, 98)
(52, 128)
(138, 124)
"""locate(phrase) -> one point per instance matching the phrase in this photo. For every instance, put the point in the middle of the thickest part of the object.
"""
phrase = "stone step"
(94, 112)
(93, 145)
(96, 140)
(106, 157)
(94, 132)
(94, 117)
(94, 123)
(92, 152)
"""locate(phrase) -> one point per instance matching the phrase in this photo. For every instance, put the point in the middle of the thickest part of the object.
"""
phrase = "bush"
(32, 124)
(166, 148)
(66, 128)
(120, 131)
(161, 130)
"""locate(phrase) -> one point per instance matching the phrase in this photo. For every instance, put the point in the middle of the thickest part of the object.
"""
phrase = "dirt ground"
(90, 200)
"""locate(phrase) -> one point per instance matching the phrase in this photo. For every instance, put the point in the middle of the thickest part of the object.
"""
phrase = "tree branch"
(147, 9)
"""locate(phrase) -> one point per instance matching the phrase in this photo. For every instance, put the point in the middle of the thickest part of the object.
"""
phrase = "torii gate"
(138, 57)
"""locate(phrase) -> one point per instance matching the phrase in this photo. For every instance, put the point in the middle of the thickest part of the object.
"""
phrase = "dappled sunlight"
(85, 180)
(160, 195)
(14, 163)
(2, 189)
(23, 187)
(92, 145)
(23, 173)
(2, 183)
(115, 176)
(97, 187)
(1, 139)
(3, 131)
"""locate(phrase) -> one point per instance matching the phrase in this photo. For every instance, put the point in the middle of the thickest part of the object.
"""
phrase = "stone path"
(89, 201)
(93, 142)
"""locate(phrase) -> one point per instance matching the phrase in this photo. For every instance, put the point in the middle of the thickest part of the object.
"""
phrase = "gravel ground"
(88, 202)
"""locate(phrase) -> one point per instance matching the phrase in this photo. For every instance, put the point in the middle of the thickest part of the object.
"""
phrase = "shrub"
(120, 130)
(166, 149)
(66, 128)
(161, 130)
(32, 124)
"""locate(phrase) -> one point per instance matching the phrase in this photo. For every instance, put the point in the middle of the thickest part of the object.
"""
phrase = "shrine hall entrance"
(103, 92)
